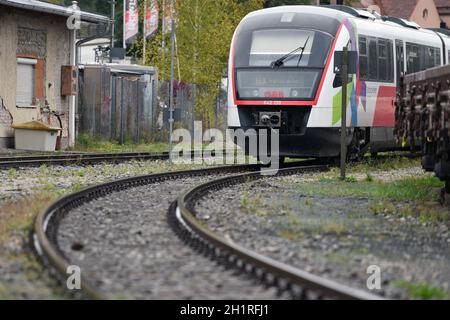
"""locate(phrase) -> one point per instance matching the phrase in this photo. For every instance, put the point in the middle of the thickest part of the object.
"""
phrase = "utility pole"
(124, 23)
(172, 67)
(163, 30)
(113, 20)
(344, 76)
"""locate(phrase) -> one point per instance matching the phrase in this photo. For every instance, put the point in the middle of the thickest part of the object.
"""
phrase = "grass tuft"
(421, 290)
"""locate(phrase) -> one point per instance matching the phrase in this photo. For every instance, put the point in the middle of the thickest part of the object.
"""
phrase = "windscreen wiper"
(279, 62)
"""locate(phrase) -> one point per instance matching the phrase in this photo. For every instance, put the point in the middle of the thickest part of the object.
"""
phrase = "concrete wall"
(432, 20)
(55, 54)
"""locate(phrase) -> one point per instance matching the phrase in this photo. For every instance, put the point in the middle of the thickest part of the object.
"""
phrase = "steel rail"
(82, 158)
(85, 158)
(300, 283)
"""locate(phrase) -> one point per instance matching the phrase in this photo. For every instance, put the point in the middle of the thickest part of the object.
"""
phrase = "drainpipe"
(74, 61)
(72, 99)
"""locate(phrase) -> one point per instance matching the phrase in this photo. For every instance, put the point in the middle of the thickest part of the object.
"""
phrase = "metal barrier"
(116, 105)
(127, 106)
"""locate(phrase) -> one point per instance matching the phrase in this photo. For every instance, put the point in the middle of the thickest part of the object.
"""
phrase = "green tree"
(204, 31)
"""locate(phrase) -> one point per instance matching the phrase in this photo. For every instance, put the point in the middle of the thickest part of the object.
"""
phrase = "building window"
(25, 85)
(425, 14)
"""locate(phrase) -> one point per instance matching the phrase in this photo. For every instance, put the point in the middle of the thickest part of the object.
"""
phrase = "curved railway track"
(300, 284)
(45, 231)
(181, 217)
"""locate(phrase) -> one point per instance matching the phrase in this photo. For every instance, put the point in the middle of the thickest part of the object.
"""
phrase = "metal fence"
(116, 105)
(127, 106)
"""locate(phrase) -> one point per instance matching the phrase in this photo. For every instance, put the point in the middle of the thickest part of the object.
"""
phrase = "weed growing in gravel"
(19, 216)
(429, 214)
(406, 210)
(12, 174)
(244, 199)
(420, 188)
(383, 164)
(80, 172)
(382, 207)
(369, 177)
(421, 290)
(351, 179)
(86, 142)
(294, 220)
(290, 235)
(334, 228)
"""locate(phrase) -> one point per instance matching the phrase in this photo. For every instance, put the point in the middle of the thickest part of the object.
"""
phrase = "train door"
(399, 59)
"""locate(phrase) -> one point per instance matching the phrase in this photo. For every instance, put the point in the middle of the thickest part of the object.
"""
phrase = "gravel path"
(21, 183)
(25, 192)
(334, 237)
(129, 251)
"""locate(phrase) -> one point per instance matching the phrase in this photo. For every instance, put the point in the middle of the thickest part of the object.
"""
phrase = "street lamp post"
(113, 21)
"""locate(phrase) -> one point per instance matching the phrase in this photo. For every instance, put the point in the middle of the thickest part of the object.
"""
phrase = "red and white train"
(281, 75)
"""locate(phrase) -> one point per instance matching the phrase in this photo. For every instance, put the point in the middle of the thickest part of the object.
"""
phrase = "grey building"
(37, 48)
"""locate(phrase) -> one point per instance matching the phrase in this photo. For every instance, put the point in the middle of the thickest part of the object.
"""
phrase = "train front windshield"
(280, 64)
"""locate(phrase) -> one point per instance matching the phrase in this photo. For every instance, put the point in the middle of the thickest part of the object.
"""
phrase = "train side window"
(376, 59)
(390, 65)
(448, 57)
(437, 57)
(399, 58)
(373, 60)
(413, 58)
(382, 60)
(421, 57)
(363, 59)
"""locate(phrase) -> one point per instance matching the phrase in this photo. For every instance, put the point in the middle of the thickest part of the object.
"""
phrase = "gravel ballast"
(129, 251)
(335, 237)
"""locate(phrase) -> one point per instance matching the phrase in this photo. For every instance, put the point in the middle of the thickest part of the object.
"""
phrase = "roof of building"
(399, 8)
(442, 3)
(443, 7)
(45, 7)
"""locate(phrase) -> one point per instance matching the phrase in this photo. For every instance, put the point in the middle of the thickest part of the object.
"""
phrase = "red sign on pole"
(151, 18)
(131, 21)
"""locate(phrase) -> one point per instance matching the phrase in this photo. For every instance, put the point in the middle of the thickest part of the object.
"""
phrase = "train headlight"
(294, 93)
(255, 92)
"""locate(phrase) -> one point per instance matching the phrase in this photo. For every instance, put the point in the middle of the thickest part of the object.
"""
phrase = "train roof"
(362, 17)
(320, 10)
